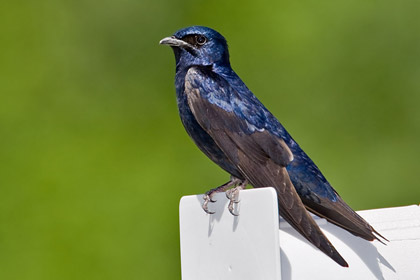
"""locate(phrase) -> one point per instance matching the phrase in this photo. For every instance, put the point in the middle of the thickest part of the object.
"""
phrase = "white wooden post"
(255, 246)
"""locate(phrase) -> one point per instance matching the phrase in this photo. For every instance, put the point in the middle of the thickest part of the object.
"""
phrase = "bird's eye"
(200, 39)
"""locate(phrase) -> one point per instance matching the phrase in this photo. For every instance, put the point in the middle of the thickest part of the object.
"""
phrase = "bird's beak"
(174, 42)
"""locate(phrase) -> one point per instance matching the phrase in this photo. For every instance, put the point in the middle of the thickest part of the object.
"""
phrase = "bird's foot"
(208, 196)
(233, 196)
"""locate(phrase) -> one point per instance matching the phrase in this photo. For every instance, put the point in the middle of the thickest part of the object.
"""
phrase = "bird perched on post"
(236, 131)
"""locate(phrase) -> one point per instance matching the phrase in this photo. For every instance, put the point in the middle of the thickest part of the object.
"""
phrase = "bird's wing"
(259, 155)
(218, 107)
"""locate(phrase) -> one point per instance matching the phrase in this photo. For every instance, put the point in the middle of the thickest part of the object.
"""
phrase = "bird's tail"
(340, 214)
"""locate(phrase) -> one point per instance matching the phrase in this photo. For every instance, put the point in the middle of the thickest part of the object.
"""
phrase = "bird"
(237, 132)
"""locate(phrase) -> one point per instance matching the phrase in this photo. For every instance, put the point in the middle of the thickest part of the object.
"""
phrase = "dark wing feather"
(259, 155)
(340, 214)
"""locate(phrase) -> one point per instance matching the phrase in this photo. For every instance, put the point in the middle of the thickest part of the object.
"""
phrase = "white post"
(222, 246)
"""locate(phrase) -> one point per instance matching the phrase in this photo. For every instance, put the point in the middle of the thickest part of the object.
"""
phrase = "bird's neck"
(224, 70)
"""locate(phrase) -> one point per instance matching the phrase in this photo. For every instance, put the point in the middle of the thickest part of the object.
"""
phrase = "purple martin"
(236, 131)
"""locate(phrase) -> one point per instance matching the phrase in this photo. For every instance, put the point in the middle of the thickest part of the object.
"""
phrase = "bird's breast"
(200, 137)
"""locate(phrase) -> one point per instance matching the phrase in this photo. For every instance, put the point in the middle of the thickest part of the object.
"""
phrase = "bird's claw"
(232, 199)
(207, 198)
(211, 199)
(233, 196)
(231, 209)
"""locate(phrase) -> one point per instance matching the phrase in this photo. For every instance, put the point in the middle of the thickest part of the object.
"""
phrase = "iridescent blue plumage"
(308, 180)
(235, 130)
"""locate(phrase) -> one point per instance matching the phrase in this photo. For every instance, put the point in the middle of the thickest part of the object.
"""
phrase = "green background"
(94, 159)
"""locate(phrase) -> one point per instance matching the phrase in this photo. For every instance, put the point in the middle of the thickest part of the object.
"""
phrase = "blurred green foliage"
(94, 158)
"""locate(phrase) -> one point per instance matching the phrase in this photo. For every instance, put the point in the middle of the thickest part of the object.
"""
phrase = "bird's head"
(198, 45)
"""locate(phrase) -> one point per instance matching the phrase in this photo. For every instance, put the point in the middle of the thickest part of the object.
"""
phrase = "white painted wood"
(221, 246)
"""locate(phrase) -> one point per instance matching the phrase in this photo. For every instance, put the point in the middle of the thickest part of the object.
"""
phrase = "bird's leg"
(233, 195)
(209, 195)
